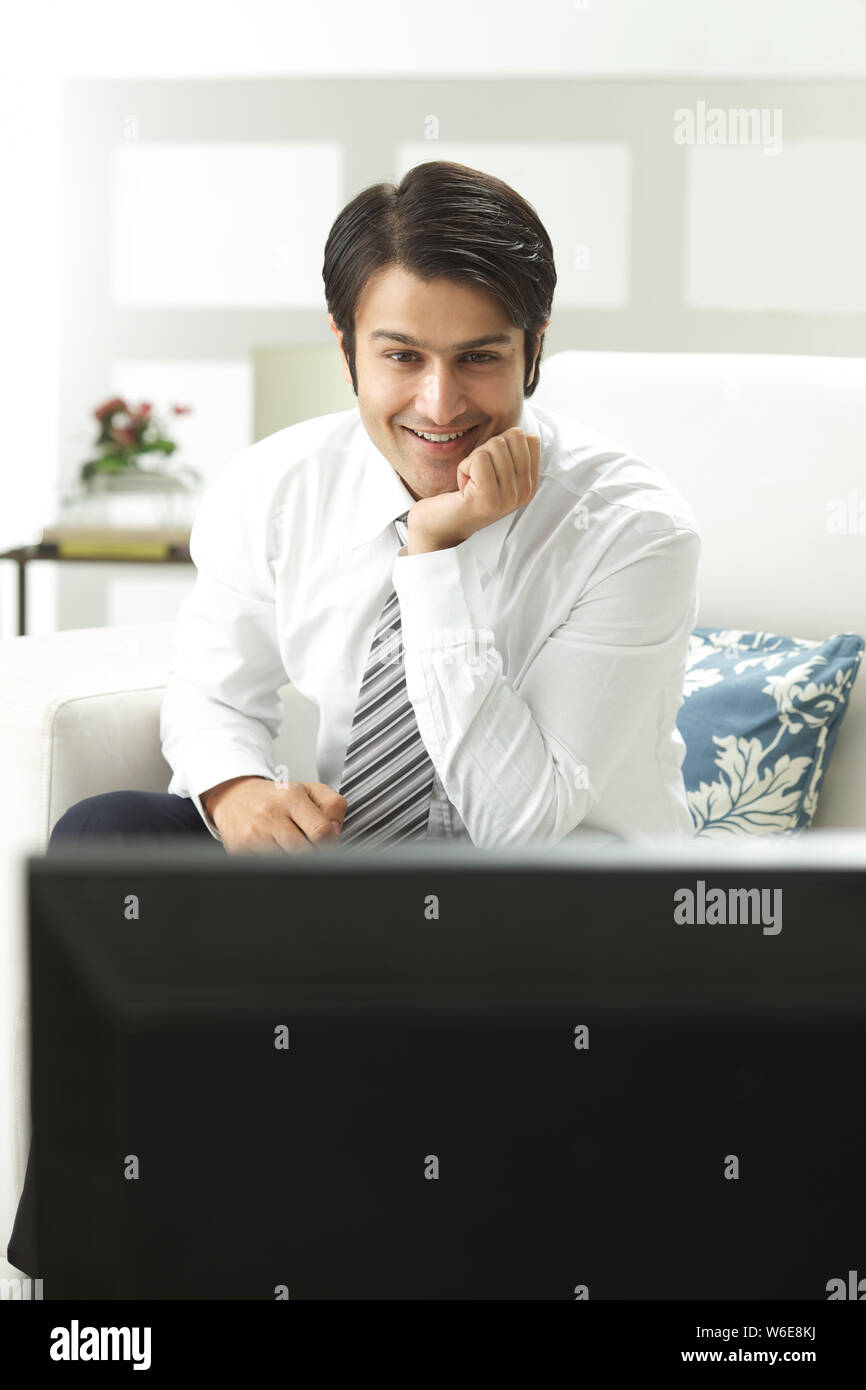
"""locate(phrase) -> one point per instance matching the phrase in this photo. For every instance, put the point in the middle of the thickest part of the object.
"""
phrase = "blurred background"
(170, 173)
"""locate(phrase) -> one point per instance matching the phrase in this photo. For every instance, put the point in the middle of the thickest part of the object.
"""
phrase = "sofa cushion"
(759, 717)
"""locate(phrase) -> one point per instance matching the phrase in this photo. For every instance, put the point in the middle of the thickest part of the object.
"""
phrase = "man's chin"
(440, 481)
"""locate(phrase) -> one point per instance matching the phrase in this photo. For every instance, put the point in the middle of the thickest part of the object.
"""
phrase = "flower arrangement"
(126, 437)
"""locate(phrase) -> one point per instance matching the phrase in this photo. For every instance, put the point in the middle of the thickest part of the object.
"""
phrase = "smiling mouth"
(442, 443)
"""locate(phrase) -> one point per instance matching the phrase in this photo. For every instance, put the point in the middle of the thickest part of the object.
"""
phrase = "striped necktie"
(387, 776)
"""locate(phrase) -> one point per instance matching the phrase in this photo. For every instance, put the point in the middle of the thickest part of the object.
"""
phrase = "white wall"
(220, 38)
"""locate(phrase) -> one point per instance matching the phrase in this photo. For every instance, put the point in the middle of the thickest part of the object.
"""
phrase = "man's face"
(434, 383)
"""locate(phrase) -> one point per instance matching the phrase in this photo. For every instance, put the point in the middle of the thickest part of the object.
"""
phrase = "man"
(512, 671)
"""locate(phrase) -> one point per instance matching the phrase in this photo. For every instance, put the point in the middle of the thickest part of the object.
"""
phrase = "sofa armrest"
(79, 714)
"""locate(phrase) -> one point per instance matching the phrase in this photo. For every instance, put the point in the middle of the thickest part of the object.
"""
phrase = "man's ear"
(347, 375)
(541, 332)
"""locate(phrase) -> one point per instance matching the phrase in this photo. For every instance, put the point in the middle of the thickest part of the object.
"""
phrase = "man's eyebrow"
(457, 347)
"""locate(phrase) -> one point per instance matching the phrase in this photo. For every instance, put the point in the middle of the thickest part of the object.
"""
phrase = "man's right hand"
(257, 816)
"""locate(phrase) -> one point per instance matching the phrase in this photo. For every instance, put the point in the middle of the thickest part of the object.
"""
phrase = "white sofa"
(760, 446)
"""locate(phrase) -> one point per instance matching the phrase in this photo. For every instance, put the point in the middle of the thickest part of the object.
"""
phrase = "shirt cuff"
(200, 774)
(434, 610)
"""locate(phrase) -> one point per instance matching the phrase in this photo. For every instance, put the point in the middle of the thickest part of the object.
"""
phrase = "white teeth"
(439, 438)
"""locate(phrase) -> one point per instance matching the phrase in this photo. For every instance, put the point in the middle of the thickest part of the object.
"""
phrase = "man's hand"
(495, 479)
(257, 816)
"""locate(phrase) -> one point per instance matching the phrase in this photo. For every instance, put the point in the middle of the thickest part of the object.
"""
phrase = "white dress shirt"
(544, 656)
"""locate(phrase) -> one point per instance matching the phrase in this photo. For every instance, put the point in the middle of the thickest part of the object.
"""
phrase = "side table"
(154, 552)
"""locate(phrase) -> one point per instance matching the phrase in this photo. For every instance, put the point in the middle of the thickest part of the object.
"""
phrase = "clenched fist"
(495, 479)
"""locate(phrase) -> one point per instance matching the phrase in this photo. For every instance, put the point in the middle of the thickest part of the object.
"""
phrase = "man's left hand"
(495, 479)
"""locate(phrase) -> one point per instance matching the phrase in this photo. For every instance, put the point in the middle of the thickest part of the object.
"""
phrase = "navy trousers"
(120, 816)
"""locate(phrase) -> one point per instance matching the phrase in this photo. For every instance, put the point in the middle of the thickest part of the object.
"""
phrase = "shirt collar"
(383, 496)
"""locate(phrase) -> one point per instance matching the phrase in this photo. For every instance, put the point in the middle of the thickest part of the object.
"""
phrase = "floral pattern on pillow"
(772, 706)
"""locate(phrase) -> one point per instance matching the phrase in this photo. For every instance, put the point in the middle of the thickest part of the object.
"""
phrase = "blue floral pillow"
(759, 717)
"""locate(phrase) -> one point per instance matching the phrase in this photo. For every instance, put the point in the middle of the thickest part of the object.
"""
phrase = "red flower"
(144, 408)
(110, 408)
(126, 437)
(181, 409)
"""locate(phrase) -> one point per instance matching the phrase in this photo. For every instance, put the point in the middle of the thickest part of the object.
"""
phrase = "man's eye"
(487, 356)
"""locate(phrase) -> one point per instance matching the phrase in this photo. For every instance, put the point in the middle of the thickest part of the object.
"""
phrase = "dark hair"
(443, 219)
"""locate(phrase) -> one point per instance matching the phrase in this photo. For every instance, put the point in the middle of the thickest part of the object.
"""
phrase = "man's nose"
(441, 399)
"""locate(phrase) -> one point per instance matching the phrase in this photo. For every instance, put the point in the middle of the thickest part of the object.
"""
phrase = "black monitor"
(433, 1072)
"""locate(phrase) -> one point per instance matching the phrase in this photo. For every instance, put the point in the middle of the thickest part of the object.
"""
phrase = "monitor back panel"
(254, 1081)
